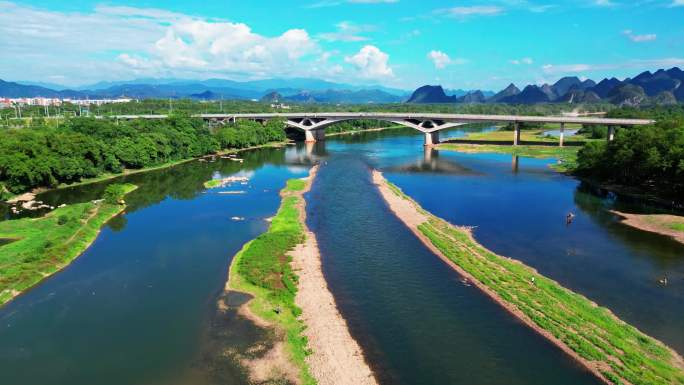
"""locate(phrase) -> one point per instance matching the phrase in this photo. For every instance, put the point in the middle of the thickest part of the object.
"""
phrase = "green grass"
(213, 183)
(566, 155)
(262, 268)
(591, 331)
(677, 226)
(534, 135)
(294, 185)
(45, 245)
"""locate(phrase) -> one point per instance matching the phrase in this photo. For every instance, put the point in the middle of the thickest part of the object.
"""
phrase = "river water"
(135, 308)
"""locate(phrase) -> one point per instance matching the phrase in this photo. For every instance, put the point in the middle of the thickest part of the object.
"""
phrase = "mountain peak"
(430, 94)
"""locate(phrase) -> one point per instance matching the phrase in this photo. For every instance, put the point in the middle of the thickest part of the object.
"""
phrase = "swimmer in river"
(569, 218)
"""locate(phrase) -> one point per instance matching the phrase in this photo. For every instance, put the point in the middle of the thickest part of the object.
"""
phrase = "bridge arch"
(314, 127)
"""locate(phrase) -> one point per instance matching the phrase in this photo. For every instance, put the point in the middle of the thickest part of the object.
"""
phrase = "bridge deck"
(461, 118)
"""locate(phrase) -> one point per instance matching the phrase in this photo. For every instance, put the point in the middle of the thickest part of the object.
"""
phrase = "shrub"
(114, 193)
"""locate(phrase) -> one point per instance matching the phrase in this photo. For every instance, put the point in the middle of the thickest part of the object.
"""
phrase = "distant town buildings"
(280, 106)
(10, 102)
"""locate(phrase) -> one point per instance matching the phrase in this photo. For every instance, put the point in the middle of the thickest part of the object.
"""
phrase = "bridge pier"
(431, 138)
(611, 133)
(515, 164)
(562, 134)
(516, 133)
(311, 136)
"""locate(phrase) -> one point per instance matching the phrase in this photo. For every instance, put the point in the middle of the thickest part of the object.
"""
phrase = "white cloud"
(525, 60)
(113, 42)
(677, 3)
(463, 12)
(604, 3)
(371, 63)
(347, 31)
(639, 38)
(333, 3)
(441, 59)
(639, 64)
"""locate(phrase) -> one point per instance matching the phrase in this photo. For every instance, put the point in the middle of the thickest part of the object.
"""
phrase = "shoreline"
(70, 258)
(653, 223)
(105, 177)
(414, 217)
(312, 343)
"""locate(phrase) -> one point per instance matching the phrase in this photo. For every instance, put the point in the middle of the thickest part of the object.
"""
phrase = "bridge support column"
(431, 138)
(516, 133)
(611, 133)
(562, 134)
(309, 136)
(515, 163)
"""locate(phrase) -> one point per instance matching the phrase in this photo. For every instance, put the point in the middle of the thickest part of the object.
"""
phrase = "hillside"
(661, 87)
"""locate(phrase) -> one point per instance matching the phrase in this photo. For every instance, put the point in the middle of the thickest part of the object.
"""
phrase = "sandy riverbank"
(337, 358)
(655, 223)
(414, 216)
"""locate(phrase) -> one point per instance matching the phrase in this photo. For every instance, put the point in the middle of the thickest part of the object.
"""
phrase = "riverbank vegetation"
(92, 148)
(616, 351)
(262, 268)
(538, 145)
(650, 157)
(663, 224)
(566, 156)
(43, 246)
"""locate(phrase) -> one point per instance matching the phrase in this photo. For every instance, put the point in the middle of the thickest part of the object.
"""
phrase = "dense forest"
(45, 156)
(647, 157)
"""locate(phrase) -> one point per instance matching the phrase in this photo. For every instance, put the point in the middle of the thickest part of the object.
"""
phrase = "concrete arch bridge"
(313, 124)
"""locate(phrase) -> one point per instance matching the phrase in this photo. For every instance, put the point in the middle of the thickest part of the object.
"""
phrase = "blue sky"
(401, 43)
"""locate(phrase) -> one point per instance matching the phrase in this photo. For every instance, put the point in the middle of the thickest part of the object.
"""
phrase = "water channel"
(135, 308)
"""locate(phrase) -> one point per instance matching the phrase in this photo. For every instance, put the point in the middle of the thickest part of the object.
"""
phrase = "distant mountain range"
(660, 87)
(295, 90)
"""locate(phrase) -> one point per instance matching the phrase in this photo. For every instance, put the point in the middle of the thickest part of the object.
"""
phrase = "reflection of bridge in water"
(430, 124)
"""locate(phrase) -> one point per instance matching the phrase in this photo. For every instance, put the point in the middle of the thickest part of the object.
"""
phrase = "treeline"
(86, 148)
(188, 106)
(356, 125)
(647, 157)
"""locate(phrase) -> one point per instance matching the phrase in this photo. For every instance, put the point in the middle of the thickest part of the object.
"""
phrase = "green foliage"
(593, 131)
(641, 156)
(355, 125)
(115, 192)
(47, 156)
(247, 133)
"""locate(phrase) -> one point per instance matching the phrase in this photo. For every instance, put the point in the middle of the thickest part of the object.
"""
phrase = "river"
(136, 306)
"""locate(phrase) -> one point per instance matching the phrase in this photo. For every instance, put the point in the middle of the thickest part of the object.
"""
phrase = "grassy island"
(42, 246)
(566, 155)
(262, 268)
(663, 224)
(613, 350)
